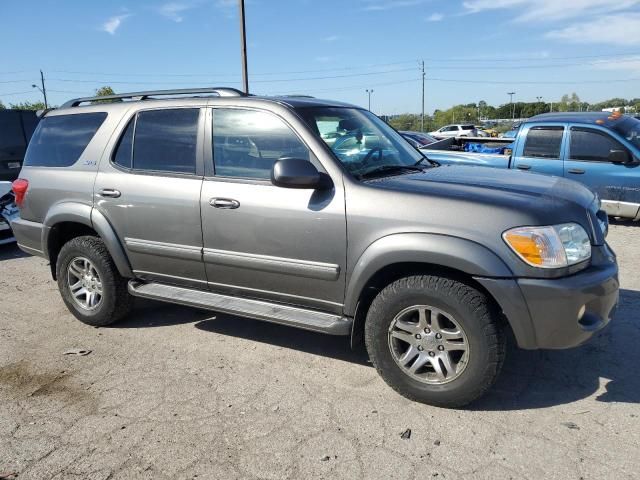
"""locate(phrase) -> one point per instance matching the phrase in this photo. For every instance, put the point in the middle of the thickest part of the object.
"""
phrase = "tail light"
(19, 188)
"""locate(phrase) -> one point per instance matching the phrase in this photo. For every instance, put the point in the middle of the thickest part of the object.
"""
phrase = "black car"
(16, 128)
(418, 139)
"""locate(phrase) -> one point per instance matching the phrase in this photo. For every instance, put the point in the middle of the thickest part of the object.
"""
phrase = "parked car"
(459, 130)
(7, 210)
(418, 139)
(16, 128)
(597, 149)
(238, 205)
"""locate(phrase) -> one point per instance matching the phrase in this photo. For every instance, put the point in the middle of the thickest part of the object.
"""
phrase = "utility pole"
(243, 41)
(43, 90)
(513, 107)
(369, 92)
(422, 118)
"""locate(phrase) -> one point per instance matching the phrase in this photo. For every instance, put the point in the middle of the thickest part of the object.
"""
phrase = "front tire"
(90, 284)
(435, 340)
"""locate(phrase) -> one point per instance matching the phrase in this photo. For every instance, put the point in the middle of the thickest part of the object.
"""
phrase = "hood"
(491, 184)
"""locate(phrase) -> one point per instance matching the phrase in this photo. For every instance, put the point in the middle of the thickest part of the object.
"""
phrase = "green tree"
(2, 107)
(28, 106)
(105, 92)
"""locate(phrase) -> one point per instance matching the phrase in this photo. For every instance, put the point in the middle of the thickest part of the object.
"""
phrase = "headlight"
(550, 247)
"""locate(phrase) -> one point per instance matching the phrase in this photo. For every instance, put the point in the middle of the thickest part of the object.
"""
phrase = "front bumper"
(560, 313)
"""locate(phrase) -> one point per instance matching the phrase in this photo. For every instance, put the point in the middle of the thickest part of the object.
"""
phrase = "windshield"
(361, 141)
(629, 128)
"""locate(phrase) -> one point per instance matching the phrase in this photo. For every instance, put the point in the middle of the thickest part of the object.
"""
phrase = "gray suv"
(313, 214)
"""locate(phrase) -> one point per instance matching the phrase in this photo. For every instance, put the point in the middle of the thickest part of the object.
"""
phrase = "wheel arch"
(401, 255)
(69, 220)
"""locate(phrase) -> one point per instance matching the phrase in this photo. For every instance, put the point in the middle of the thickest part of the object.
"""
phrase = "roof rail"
(222, 92)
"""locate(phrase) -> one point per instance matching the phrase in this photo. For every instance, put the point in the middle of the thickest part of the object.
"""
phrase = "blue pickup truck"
(599, 149)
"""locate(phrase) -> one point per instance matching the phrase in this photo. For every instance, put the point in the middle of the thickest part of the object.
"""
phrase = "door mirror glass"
(298, 173)
(619, 156)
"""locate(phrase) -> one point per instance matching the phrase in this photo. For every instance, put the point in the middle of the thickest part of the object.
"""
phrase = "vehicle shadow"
(11, 251)
(622, 222)
(530, 379)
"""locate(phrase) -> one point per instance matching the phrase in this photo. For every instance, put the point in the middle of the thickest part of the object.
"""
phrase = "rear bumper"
(560, 313)
(28, 235)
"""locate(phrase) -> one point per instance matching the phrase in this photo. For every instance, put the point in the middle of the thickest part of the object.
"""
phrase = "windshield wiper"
(383, 169)
(424, 157)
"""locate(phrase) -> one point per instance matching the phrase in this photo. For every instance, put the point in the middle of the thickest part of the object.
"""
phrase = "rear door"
(588, 162)
(539, 149)
(149, 190)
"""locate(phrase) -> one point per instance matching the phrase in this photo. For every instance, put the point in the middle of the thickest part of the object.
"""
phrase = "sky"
(472, 50)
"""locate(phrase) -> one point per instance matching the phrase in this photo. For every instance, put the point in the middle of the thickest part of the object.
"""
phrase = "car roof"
(190, 97)
(600, 118)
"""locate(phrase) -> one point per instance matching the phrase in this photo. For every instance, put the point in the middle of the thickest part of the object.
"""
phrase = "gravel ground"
(181, 393)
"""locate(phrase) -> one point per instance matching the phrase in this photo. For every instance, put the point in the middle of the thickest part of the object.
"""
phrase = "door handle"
(577, 171)
(225, 203)
(110, 192)
(522, 166)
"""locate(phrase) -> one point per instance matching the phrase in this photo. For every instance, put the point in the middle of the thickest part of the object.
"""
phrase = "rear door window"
(166, 140)
(60, 140)
(543, 142)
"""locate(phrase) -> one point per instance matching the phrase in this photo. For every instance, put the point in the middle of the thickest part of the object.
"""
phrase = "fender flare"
(89, 216)
(443, 250)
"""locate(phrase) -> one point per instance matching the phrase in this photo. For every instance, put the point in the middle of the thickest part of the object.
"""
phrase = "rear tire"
(435, 340)
(90, 284)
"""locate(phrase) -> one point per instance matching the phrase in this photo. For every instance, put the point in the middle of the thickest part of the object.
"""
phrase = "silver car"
(313, 214)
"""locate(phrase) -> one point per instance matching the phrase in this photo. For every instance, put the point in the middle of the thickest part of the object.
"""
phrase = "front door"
(149, 191)
(262, 241)
(539, 149)
(588, 162)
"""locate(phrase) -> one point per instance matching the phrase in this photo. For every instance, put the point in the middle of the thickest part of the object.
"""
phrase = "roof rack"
(222, 92)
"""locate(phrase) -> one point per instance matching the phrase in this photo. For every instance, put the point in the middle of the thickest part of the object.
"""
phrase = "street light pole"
(43, 90)
(422, 118)
(243, 42)
(513, 107)
(369, 92)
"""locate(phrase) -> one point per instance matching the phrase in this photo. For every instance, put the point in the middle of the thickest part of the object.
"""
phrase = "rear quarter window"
(60, 140)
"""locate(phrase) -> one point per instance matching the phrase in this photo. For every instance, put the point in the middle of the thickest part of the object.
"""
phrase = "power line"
(278, 80)
(15, 93)
(496, 82)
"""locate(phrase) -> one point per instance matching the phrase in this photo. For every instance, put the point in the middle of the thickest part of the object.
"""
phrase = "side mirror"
(297, 173)
(620, 156)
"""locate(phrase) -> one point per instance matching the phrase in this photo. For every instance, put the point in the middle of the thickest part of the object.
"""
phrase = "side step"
(257, 309)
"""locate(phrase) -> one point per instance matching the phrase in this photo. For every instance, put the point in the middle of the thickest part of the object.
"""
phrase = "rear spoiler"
(43, 112)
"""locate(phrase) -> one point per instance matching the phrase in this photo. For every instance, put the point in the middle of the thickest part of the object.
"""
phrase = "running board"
(257, 309)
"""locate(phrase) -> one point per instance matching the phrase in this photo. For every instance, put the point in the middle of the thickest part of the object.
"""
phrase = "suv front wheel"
(435, 340)
(90, 283)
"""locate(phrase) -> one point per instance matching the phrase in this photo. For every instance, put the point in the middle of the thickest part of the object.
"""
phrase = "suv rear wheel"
(435, 340)
(90, 284)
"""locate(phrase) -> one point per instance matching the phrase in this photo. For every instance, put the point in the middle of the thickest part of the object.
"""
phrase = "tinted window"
(166, 140)
(543, 142)
(592, 145)
(59, 141)
(124, 150)
(12, 141)
(246, 143)
(468, 127)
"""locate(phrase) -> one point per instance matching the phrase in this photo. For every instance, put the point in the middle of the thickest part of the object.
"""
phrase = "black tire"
(477, 316)
(116, 301)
